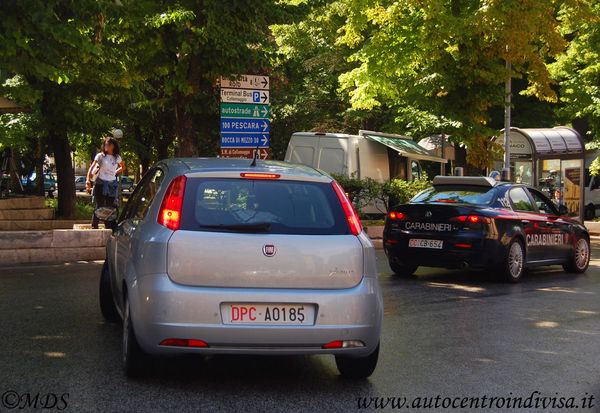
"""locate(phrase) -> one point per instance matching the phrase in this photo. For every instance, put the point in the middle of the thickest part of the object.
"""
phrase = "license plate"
(426, 243)
(268, 314)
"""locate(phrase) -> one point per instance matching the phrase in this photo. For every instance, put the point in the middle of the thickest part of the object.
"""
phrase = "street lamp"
(117, 134)
(508, 91)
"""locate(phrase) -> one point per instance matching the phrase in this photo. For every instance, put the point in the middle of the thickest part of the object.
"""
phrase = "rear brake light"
(170, 209)
(351, 215)
(334, 344)
(254, 175)
(477, 219)
(396, 215)
(183, 342)
(473, 219)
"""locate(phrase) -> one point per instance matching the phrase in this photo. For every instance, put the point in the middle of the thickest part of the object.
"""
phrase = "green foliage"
(578, 69)
(84, 209)
(367, 191)
(595, 167)
(150, 67)
(398, 191)
(440, 64)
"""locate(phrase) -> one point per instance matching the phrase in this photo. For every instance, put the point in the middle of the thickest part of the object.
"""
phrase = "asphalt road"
(448, 333)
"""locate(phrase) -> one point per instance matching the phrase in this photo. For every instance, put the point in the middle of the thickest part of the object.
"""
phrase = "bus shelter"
(551, 160)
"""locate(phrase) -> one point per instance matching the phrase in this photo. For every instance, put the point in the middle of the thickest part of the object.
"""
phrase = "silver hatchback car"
(216, 256)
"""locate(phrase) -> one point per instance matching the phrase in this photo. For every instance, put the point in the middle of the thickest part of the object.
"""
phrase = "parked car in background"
(49, 182)
(80, 183)
(216, 256)
(127, 184)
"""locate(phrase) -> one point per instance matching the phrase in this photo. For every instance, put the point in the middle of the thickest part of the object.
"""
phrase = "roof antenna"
(255, 154)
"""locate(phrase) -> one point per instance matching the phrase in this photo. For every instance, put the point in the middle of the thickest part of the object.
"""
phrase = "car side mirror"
(563, 210)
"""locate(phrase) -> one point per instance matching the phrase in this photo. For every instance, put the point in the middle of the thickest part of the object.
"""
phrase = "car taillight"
(472, 219)
(396, 215)
(351, 215)
(170, 209)
(344, 344)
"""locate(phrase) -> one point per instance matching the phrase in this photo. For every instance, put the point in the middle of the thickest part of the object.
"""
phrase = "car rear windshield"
(456, 194)
(256, 205)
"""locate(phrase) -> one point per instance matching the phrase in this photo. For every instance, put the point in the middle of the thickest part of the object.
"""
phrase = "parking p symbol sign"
(256, 97)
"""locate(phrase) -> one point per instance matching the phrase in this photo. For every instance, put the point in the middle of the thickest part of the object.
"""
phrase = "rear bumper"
(472, 250)
(162, 309)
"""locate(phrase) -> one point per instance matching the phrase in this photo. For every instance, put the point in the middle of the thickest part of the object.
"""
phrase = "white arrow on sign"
(263, 153)
(265, 126)
(244, 96)
(265, 140)
(265, 111)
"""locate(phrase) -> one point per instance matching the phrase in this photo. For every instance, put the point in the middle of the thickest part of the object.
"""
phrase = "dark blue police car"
(478, 222)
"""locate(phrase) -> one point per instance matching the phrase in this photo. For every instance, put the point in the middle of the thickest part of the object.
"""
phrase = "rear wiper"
(256, 227)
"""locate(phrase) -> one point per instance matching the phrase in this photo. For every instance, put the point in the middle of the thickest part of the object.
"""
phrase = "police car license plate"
(426, 243)
(268, 314)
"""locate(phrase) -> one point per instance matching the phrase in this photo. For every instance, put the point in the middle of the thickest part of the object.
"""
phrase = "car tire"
(580, 258)
(514, 262)
(589, 213)
(401, 269)
(357, 367)
(132, 357)
(107, 304)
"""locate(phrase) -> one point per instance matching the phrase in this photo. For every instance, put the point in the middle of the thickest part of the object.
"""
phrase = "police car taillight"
(396, 215)
(472, 219)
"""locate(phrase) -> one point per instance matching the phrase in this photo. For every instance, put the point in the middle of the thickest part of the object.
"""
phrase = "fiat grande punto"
(226, 256)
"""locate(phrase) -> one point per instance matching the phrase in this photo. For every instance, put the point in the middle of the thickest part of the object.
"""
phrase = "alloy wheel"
(515, 260)
(582, 253)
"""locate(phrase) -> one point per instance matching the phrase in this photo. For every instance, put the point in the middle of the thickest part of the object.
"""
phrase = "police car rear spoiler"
(464, 180)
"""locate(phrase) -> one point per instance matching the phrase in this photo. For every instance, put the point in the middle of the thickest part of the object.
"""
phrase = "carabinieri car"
(480, 223)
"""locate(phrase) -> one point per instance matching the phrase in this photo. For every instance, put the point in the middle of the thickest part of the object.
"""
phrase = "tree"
(578, 69)
(53, 49)
(440, 64)
(201, 41)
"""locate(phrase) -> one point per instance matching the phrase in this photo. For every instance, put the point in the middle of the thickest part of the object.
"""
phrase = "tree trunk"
(145, 163)
(184, 118)
(39, 167)
(184, 125)
(64, 174)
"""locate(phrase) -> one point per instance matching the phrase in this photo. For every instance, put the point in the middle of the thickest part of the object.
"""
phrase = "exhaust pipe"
(464, 265)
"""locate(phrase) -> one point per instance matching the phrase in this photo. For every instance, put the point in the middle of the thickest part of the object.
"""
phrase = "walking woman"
(107, 164)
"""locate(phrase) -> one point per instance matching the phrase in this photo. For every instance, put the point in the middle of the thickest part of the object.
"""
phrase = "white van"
(376, 155)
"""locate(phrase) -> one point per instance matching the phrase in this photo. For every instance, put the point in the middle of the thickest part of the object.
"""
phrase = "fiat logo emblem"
(269, 250)
(428, 214)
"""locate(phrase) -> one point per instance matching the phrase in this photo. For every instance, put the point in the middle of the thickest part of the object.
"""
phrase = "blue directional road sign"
(241, 125)
(244, 140)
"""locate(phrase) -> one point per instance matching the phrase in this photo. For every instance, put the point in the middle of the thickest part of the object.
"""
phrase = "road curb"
(52, 246)
(593, 227)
